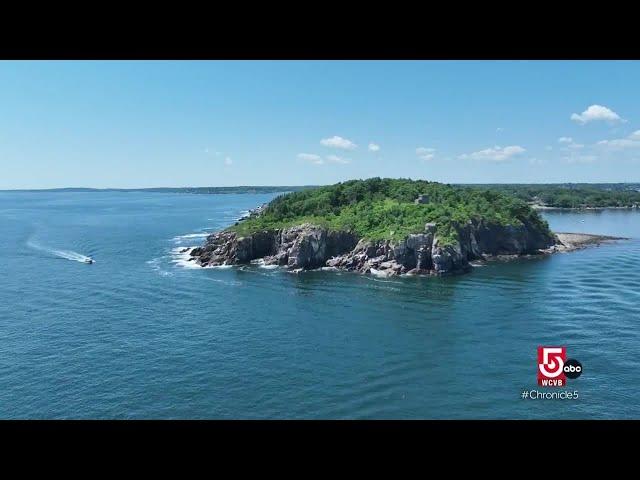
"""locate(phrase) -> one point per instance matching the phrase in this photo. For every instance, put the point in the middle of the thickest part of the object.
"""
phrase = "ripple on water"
(139, 336)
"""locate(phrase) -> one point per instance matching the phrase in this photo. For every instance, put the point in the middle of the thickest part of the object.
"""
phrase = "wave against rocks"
(309, 247)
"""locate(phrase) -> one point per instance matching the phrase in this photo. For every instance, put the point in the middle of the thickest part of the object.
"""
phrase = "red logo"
(551, 362)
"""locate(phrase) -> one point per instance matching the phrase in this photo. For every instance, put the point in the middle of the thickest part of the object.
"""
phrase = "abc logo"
(572, 368)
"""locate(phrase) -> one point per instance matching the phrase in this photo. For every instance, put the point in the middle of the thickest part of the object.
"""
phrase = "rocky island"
(384, 227)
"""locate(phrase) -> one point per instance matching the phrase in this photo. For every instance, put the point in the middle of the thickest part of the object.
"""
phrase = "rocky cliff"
(308, 246)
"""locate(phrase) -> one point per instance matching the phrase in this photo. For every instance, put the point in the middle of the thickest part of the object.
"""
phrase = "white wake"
(66, 254)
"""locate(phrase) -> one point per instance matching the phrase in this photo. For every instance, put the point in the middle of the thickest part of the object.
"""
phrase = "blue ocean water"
(138, 334)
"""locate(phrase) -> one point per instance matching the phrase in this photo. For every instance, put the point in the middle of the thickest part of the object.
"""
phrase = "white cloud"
(568, 143)
(581, 158)
(619, 143)
(426, 154)
(337, 159)
(423, 150)
(228, 161)
(596, 112)
(495, 154)
(318, 160)
(374, 147)
(310, 157)
(338, 142)
(632, 141)
(635, 135)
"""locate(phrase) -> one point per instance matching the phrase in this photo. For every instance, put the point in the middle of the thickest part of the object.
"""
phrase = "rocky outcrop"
(300, 247)
(412, 255)
(308, 246)
(568, 242)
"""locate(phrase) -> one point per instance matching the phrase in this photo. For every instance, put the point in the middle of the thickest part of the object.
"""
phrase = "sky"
(141, 124)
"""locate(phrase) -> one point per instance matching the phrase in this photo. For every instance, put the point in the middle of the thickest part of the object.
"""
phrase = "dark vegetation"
(384, 208)
(572, 195)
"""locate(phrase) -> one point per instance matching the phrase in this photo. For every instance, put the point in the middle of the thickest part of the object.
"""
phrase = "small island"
(386, 227)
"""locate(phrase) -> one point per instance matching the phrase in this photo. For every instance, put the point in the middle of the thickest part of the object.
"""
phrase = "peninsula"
(385, 227)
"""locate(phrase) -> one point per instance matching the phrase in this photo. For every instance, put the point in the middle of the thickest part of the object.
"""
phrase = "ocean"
(142, 334)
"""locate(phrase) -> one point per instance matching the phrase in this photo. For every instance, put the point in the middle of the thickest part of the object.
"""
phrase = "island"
(385, 226)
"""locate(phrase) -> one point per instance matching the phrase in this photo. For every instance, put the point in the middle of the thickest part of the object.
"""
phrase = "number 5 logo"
(551, 366)
(552, 361)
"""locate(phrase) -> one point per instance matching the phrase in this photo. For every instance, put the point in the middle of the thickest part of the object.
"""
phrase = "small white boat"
(88, 260)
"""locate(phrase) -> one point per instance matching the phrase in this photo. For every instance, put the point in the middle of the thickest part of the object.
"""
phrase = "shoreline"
(578, 209)
(306, 242)
(566, 242)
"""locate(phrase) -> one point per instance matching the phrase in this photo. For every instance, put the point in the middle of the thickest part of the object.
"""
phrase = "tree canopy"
(385, 208)
(573, 195)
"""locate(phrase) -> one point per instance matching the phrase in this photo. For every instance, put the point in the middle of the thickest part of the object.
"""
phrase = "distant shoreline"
(283, 189)
(546, 208)
(241, 189)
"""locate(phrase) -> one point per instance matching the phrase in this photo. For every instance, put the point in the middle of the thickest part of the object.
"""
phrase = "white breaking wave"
(190, 236)
(269, 267)
(156, 266)
(181, 256)
(260, 263)
(233, 283)
(66, 254)
(184, 259)
(379, 273)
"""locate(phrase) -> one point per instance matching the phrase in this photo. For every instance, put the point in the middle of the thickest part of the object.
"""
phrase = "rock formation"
(308, 246)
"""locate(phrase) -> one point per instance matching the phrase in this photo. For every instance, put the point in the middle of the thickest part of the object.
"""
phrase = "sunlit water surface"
(138, 334)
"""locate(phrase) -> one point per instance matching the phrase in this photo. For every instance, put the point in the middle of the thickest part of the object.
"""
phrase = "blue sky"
(145, 124)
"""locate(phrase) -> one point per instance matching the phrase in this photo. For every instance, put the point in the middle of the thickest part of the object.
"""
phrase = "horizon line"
(98, 189)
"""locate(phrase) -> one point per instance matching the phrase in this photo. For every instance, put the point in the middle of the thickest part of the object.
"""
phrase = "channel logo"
(554, 368)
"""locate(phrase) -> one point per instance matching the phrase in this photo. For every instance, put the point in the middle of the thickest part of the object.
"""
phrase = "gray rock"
(309, 246)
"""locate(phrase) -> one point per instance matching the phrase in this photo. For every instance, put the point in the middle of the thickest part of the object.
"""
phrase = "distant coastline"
(541, 197)
(258, 189)
(573, 209)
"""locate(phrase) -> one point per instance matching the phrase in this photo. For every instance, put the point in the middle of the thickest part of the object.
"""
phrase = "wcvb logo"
(554, 368)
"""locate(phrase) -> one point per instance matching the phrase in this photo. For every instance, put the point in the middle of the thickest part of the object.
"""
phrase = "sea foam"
(190, 236)
(181, 257)
(66, 254)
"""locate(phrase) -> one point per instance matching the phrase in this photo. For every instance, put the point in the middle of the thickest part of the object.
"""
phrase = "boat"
(88, 260)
